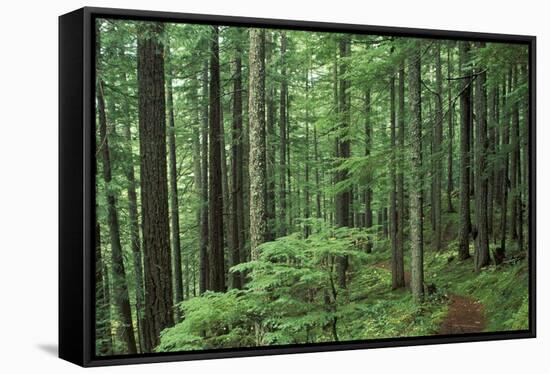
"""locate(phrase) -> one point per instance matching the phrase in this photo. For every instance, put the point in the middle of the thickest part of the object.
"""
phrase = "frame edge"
(72, 308)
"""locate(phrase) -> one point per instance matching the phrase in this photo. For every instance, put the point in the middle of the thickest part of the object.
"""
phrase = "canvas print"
(260, 187)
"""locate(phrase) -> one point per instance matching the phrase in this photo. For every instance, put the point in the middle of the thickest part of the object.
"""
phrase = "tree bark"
(416, 215)
(497, 182)
(481, 258)
(438, 139)
(215, 183)
(174, 205)
(472, 145)
(465, 102)
(307, 213)
(491, 152)
(237, 198)
(506, 161)
(226, 193)
(524, 175)
(400, 239)
(154, 184)
(343, 198)
(393, 190)
(289, 197)
(515, 169)
(203, 250)
(257, 157)
(197, 170)
(271, 141)
(282, 141)
(450, 134)
(368, 190)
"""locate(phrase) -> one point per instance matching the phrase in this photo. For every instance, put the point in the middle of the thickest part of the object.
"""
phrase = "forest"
(266, 187)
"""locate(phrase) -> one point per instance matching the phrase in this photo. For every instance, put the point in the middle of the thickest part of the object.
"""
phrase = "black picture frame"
(77, 180)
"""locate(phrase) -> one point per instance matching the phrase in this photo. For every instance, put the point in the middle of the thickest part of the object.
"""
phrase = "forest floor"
(464, 314)
(462, 301)
(457, 300)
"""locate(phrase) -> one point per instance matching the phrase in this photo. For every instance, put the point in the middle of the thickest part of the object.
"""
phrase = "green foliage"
(520, 319)
(377, 312)
(210, 321)
(291, 294)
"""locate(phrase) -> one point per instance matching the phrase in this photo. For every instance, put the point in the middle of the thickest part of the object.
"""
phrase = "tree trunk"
(215, 183)
(120, 285)
(343, 198)
(450, 134)
(472, 145)
(501, 118)
(514, 158)
(203, 250)
(416, 215)
(497, 182)
(271, 141)
(257, 157)
(154, 184)
(393, 189)
(482, 238)
(336, 110)
(368, 190)
(174, 216)
(491, 152)
(227, 233)
(524, 175)
(197, 170)
(506, 162)
(282, 141)
(465, 98)
(515, 170)
(237, 171)
(290, 212)
(245, 231)
(438, 139)
(306, 185)
(400, 239)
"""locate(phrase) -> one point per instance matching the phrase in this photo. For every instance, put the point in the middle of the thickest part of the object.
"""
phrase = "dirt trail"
(465, 315)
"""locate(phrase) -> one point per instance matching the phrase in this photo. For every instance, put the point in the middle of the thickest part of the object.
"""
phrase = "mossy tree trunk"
(257, 156)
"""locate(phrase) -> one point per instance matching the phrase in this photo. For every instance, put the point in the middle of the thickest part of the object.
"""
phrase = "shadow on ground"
(50, 349)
